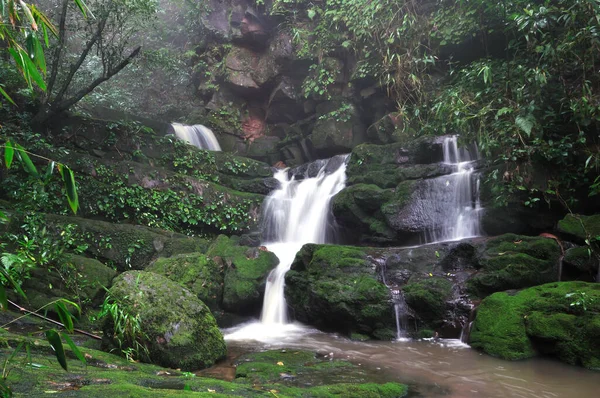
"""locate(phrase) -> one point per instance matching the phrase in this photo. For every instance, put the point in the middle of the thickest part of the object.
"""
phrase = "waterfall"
(293, 215)
(401, 311)
(296, 214)
(198, 135)
(452, 201)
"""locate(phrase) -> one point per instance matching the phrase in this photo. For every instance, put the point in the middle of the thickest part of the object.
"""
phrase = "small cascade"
(465, 333)
(452, 201)
(198, 135)
(296, 214)
(401, 311)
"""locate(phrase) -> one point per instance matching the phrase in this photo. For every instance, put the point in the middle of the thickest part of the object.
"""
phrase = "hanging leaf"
(525, 123)
(54, 339)
(26, 161)
(10, 280)
(9, 153)
(49, 171)
(3, 299)
(70, 186)
(5, 95)
(64, 315)
(74, 348)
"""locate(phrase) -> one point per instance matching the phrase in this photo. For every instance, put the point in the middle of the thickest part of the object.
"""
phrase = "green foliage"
(126, 329)
(581, 301)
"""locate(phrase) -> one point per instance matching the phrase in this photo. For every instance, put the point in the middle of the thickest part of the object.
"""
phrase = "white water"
(453, 200)
(198, 135)
(295, 214)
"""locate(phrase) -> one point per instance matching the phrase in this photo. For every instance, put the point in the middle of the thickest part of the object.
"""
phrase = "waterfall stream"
(295, 214)
(198, 135)
(453, 200)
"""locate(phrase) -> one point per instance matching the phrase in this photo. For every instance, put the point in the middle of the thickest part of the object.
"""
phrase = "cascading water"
(401, 312)
(295, 214)
(198, 135)
(453, 201)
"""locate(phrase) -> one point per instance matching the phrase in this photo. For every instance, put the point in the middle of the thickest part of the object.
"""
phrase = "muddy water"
(448, 368)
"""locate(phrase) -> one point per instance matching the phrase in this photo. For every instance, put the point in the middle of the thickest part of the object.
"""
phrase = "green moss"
(246, 270)
(179, 330)
(425, 334)
(428, 298)
(335, 287)
(580, 258)
(544, 319)
(292, 368)
(195, 271)
(513, 262)
(578, 226)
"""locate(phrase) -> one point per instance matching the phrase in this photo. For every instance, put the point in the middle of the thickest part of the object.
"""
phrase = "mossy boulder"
(578, 227)
(336, 288)
(428, 299)
(358, 209)
(388, 165)
(127, 246)
(581, 260)
(245, 273)
(561, 319)
(196, 272)
(179, 329)
(328, 377)
(79, 279)
(515, 262)
(337, 130)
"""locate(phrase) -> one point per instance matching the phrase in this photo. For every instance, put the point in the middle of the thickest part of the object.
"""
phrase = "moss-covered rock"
(578, 227)
(515, 262)
(77, 278)
(106, 375)
(388, 165)
(245, 273)
(127, 246)
(581, 259)
(328, 377)
(559, 319)
(357, 209)
(196, 272)
(179, 329)
(428, 298)
(336, 288)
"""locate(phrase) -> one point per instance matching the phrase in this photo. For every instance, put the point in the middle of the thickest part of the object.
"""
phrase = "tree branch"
(59, 48)
(66, 104)
(75, 67)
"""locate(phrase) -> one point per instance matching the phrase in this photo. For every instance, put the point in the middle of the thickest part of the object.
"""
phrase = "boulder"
(515, 262)
(337, 130)
(580, 262)
(245, 271)
(196, 272)
(248, 70)
(557, 319)
(128, 246)
(178, 329)
(336, 288)
(579, 227)
(76, 278)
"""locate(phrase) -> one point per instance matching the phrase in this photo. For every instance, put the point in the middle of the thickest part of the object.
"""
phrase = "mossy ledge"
(560, 319)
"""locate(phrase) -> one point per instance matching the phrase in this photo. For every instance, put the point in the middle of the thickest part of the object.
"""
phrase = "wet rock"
(179, 330)
(579, 227)
(557, 319)
(336, 288)
(515, 262)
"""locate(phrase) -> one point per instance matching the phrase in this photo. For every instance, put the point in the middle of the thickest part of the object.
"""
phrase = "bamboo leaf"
(54, 339)
(49, 171)
(9, 153)
(10, 280)
(3, 299)
(26, 161)
(64, 315)
(74, 348)
(5, 95)
(70, 187)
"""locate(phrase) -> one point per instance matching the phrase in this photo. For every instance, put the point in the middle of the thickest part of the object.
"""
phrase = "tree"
(89, 51)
